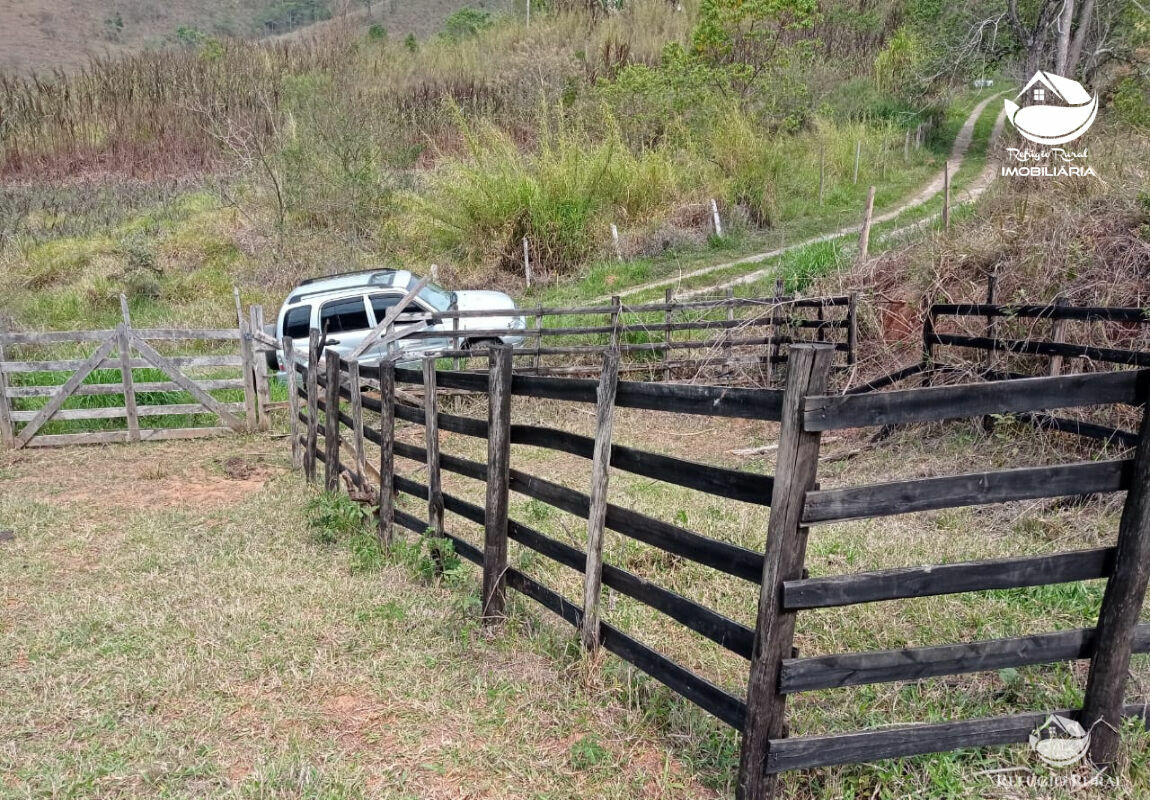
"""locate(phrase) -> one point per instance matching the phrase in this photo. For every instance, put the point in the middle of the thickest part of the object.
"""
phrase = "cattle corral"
(690, 483)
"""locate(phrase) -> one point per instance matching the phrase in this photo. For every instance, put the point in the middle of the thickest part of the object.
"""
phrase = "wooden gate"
(167, 402)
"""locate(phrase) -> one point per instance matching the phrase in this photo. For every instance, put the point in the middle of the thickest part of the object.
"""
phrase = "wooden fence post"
(431, 438)
(864, 234)
(7, 432)
(312, 379)
(260, 370)
(537, 361)
(616, 310)
(1057, 334)
(251, 406)
(858, 157)
(354, 386)
(1121, 606)
(927, 346)
(527, 261)
(991, 320)
(498, 468)
(331, 422)
(797, 466)
(852, 328)
(615, 241)
(386, 451)
(597, 516)
(773, 349)
(715, 218)
(123, 334)
(669, 300)
(455, 339)
(293, 401)
(730, 318)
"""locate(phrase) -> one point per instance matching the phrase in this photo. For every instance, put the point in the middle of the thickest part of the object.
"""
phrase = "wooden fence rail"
(337, 393)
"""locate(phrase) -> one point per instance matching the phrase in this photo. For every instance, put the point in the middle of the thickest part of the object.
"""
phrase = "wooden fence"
(660, 339)
(335, 403)
(1021, 341)
(104, 389)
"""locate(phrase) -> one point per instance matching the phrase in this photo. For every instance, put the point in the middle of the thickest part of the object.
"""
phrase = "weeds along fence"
(1018, 341)
(129, 384)
(675, 338)
(335, 401)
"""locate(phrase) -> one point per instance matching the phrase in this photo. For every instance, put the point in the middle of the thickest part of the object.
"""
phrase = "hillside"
(48, 34)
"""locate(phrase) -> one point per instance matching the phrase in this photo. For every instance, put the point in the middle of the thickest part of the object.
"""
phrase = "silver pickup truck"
(344, 308)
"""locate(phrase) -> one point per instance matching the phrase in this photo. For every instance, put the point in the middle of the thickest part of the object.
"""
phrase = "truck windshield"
(438, 297)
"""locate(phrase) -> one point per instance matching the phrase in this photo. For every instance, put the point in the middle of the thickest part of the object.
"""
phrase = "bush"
(465, 23)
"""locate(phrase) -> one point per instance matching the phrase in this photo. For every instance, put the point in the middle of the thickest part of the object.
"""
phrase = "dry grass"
(171, 631)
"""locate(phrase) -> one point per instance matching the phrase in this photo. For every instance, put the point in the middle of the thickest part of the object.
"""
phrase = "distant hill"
(45, 34)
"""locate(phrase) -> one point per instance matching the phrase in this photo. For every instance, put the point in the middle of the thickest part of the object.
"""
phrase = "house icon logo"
(1054, 110)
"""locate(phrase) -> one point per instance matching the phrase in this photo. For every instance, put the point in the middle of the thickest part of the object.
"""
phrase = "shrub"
(465, 23)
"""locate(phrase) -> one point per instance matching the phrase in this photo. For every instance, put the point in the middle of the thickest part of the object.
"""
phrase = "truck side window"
(343, 315)
(297, 323)
(382, 303)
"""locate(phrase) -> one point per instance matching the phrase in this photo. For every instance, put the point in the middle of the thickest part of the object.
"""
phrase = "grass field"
(172, 627)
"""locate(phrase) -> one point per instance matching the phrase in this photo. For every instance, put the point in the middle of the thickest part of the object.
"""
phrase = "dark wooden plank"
(911, 740)
(498, 466)
(929, 581)
(832, 412)
(1082, 313)
(719, 481)
(1121, 606)
(887, 380)
(973, 489)
(1088, 430)
(797, 460)
(331, 423)
(1109, 354)
(916, 663)
(703, 693)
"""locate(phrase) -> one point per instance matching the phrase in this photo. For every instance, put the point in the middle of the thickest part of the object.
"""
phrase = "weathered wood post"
(251, 405)
(858, 157)
(431, 439)
(124, 337)
(527, 261)
(668, 313)
(292, 377)
(715, 218)
(928, 345)
(852, 328)
(906, 146)
(309, 454)
(7, 432)
(1058, 335)
(386, 452)
(864, 234)
(774, 348)
(1121, 606)
(260, 369)
(537, 360)
(730, 318)
(331, 422)
(991, 319)
(356, 408)
(795, 473)
(615, 242)
(498, 469)
(597, 516)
